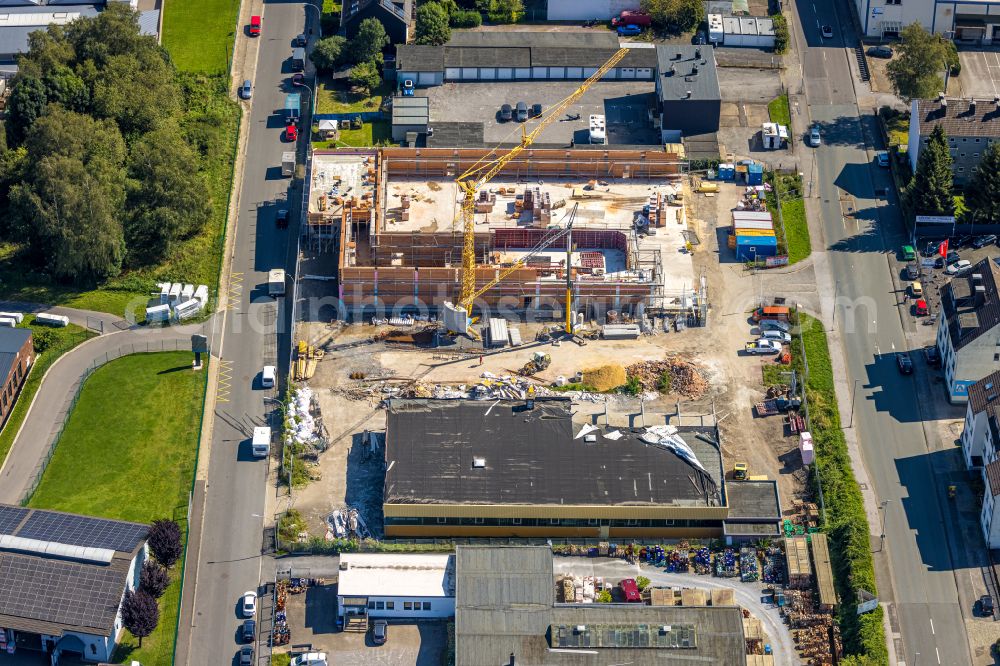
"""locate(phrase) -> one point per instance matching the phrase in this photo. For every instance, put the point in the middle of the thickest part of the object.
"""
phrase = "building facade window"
(390, 605)
(427, 605)
(408, 605)
(379, 605)
(371, 605)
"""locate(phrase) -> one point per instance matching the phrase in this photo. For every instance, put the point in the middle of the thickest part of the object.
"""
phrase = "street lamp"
(883, 505)
(312, 96)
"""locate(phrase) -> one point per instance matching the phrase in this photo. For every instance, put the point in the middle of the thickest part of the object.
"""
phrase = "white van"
(310, 659)
(261, 445)
(267, 376)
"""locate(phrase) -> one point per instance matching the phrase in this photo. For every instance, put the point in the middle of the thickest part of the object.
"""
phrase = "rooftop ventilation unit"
(580, 628)
(479, 462)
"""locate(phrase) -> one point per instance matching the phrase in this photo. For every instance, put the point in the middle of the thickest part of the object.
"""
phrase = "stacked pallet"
(799, 566)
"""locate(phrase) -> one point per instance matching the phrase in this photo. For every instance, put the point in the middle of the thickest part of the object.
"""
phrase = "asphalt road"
(887, 414)
(229, 561)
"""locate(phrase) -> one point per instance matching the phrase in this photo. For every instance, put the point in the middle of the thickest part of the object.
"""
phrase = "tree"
(327, 52)
(781, 35)
(165, 541)
(26, 105)
(916, 71)
(675, 15)
(153, 579)
(140, 613)
(930, 190)
(505, 11)
(982, 197)
(365, 77)
(432, 25)
(367, 45)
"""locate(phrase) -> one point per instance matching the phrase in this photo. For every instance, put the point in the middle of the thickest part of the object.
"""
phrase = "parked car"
(933, 356)
(952, 257)
(380, 632)
(880, 51)
(780, 336)
(246, 655)
(763, 346)
(248, 632)
(908, 253)
(521, 112)
(916, 289)
(281, 219)
(408, 89)
(506, 113)
(774, 325)
(958, 267)
(939, 261)
(267, 376)
(248, 603)
(814, 139)
(255, 26)
(300, 39)
(827, 31)
(986, 605)
(310, 659)
(298, 79)
(904, 363)
(629, 30)
(246, 90)
(882, 159)
(536, 110)
(983, 241)
(912, 271)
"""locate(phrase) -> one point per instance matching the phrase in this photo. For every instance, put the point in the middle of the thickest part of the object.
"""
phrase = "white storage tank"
(158, 313)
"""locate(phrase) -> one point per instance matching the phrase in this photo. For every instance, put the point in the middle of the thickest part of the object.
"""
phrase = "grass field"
(370, 134)
(336, 98)
(132, 464)
(199, 33)
(777, 110)
(59, 341)
(793, 215)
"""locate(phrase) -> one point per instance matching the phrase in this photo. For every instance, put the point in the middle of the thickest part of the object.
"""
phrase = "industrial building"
(968, 335)
(395, 586)
(687, 89)
(505, 613)
(393, 219)
(465, 468)
(62, 579)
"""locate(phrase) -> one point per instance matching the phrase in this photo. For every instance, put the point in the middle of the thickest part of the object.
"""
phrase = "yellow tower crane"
(484, 170)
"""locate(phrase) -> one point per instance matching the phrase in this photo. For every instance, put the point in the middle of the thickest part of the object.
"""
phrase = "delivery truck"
(288, 163)
(276, 282)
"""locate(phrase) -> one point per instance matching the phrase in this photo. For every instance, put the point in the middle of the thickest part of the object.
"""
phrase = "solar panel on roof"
(10, 518)
(83, 531)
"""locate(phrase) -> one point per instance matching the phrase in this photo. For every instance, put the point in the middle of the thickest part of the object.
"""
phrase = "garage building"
(409, 114)
(523, 56)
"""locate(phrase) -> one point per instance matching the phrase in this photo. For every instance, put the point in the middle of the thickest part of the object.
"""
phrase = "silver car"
(246, 90)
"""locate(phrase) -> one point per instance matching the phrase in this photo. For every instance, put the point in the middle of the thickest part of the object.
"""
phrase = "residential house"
(968, 335)
(395, 17)
(17, 353)
(989, 518)
(467, 468)
(62, 580)
(970, 125)
(981, 421)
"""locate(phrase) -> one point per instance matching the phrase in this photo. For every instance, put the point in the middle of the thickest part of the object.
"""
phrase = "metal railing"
(64, 414)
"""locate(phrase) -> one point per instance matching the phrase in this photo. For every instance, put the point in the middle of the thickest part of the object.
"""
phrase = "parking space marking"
(235, 294)
(225, 383)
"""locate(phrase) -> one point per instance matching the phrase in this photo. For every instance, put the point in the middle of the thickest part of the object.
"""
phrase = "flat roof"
(396, 575)
(504, 605)
(687, 69)
(11, 342)
(753, 500)
(499, 452)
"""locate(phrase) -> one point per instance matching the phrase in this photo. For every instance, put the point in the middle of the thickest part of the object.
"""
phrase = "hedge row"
(846, 521)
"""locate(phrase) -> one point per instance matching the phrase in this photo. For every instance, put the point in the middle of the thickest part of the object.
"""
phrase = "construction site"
(392, 218)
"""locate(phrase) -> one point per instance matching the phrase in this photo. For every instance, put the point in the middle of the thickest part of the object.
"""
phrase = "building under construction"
(393, 217)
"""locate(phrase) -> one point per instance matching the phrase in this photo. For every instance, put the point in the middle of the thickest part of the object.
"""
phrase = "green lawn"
(778, 111)
(58, 342)
(132, 464)
(793, 215)
(334, 97)
(200, 33)
(371, 134)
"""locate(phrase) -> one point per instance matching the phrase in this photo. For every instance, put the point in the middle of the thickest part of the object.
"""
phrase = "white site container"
(158, 313)
(16, 316)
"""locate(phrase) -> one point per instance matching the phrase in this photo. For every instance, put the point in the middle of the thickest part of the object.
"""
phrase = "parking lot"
(933, 279)
(980, 77)
(625, 105)
(312, 620)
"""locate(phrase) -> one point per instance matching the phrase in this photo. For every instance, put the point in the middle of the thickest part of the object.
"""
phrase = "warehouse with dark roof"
(513, 469)
(62, 579)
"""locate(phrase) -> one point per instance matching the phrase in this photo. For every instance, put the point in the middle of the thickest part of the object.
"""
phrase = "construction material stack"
(753, 235)
(799, 566)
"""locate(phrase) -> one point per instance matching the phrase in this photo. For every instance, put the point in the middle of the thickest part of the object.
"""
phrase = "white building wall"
(913, 149)
(406, 607)
(973, 362)
(582, 10)
(974, 436)
(96, 648)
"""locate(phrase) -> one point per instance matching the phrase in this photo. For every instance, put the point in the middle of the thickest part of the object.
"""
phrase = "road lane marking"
(932, 625)
(938, 655)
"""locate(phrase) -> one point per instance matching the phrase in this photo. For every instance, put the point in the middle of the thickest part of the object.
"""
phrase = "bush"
(642, 582)
(604, 597)
(781, 35)
(466, 18)
(633, 386)
(153, 579)
(42, 340)
(663, 383)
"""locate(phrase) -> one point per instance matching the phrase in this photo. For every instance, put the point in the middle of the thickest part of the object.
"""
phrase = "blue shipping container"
(755, 174)
(749, 248)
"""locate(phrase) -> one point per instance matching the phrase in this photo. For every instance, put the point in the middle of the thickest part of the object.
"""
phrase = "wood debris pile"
(816, 635)
(686, 378)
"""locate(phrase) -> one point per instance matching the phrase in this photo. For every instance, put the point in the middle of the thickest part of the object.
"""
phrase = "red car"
(291, 133)
(255, 26)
